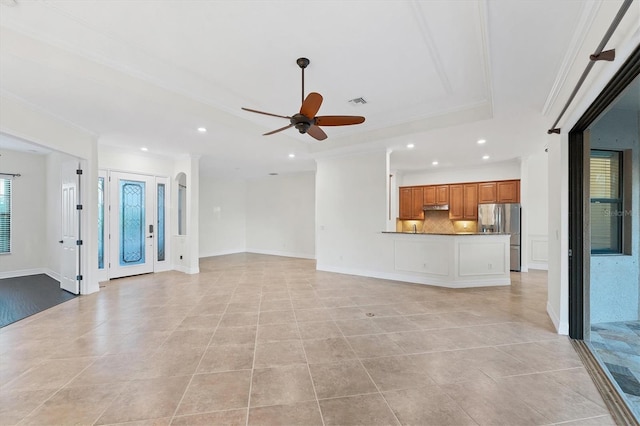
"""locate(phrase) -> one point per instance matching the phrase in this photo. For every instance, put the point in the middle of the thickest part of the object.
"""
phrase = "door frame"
(579, 230)
(158, 266)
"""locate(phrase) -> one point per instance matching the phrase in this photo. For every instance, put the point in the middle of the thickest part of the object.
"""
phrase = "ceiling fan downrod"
(302, 63)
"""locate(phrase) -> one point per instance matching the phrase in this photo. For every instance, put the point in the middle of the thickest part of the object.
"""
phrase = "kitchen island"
(451, 260)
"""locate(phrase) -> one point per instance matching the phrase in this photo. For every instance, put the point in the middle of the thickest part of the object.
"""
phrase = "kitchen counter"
(438, 233)
(451, 260)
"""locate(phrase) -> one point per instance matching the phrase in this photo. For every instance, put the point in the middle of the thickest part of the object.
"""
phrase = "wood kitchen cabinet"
(508, 191)
(463, 201)
(411, 203)
(505, 191)
(436, 195)
(442, 195)
(487, 193)
(470, 201)
(430, 195)
(456, 202)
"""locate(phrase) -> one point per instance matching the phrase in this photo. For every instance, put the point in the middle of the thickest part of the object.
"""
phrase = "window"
(606, 202)
(101, 222)
(5, 215)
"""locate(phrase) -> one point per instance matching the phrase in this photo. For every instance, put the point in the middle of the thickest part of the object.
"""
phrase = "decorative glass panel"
(100, 223)
(160, 224)
(132, 232)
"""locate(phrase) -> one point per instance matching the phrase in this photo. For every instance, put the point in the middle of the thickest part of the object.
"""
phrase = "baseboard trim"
(562, 327)
(26, 272)
(539, 265)
(221, 253)
(282, 253)
(617, 406)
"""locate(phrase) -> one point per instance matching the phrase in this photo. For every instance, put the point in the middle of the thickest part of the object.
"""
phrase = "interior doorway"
(132, 224)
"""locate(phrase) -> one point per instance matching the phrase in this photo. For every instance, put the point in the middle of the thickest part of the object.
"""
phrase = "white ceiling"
(439, 74)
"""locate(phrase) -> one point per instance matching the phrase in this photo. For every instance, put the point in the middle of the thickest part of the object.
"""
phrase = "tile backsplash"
(437, 222)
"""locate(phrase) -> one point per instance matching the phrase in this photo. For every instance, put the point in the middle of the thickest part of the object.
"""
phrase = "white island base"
(455, 261)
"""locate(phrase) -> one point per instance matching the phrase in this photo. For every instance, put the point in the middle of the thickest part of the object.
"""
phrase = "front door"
(132, 236)
(69, 260)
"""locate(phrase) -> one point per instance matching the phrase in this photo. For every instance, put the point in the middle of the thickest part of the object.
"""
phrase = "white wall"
(134, 161)
(28, 214)
(280, 215)
(223, 219)
(613, 280)
(351, 210)
(535, 201)
(558, 282)
(495, 171)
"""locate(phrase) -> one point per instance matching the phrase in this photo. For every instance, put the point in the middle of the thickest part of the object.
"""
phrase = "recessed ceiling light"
(292, 155)
(481, 141)
(410, 145)
(435, 163)
(144, 148)
(485, 157)
(202, 129)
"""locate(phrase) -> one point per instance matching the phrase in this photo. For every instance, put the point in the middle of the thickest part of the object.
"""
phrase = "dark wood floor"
(21, 297)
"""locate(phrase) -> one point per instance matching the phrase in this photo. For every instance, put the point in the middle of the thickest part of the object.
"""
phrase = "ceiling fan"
(306, 121)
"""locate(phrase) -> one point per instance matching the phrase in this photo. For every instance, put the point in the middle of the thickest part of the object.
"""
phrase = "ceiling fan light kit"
(306, 121)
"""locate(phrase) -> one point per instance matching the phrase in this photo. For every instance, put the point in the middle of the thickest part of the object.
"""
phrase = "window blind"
(5, 215)
(606, 201)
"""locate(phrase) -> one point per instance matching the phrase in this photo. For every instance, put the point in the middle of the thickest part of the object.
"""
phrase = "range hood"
(440, 207)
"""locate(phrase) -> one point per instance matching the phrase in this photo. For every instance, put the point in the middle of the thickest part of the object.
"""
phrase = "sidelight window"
(5, 215)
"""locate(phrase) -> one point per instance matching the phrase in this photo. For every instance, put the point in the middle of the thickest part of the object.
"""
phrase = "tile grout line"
(369, 375)
(253, 361)
(186, 389)
(304, 351)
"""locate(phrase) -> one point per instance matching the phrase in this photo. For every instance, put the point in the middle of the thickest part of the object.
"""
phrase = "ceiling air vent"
(356, 101)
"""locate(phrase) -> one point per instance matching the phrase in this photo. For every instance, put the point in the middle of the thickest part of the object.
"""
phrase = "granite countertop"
(438, 233)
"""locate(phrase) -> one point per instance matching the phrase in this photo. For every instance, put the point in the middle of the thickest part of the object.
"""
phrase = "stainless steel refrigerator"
(505, 219)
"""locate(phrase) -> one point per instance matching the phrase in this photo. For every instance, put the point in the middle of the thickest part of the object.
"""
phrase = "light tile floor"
(257, 339)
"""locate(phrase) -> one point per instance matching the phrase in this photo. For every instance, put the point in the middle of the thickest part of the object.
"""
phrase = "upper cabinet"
(508, 191)
(411, 203)
(442, 195)
(436, 195)
(462, 198)
(505, 191)
(430, 195)
(487, 193)
(470, 201)
(463, 201)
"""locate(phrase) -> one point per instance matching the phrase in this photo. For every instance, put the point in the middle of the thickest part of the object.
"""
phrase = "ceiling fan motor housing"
(301, 122)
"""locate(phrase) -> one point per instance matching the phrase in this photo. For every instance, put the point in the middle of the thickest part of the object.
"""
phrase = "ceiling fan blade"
(317, 133)
(311, 105)
(278, 130)
(338, 120)
(265, 113)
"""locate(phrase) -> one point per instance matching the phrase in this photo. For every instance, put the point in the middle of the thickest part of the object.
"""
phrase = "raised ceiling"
(439, 74)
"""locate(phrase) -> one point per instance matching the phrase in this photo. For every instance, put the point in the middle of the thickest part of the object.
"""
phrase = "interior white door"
(131, 230)
(69, 260)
